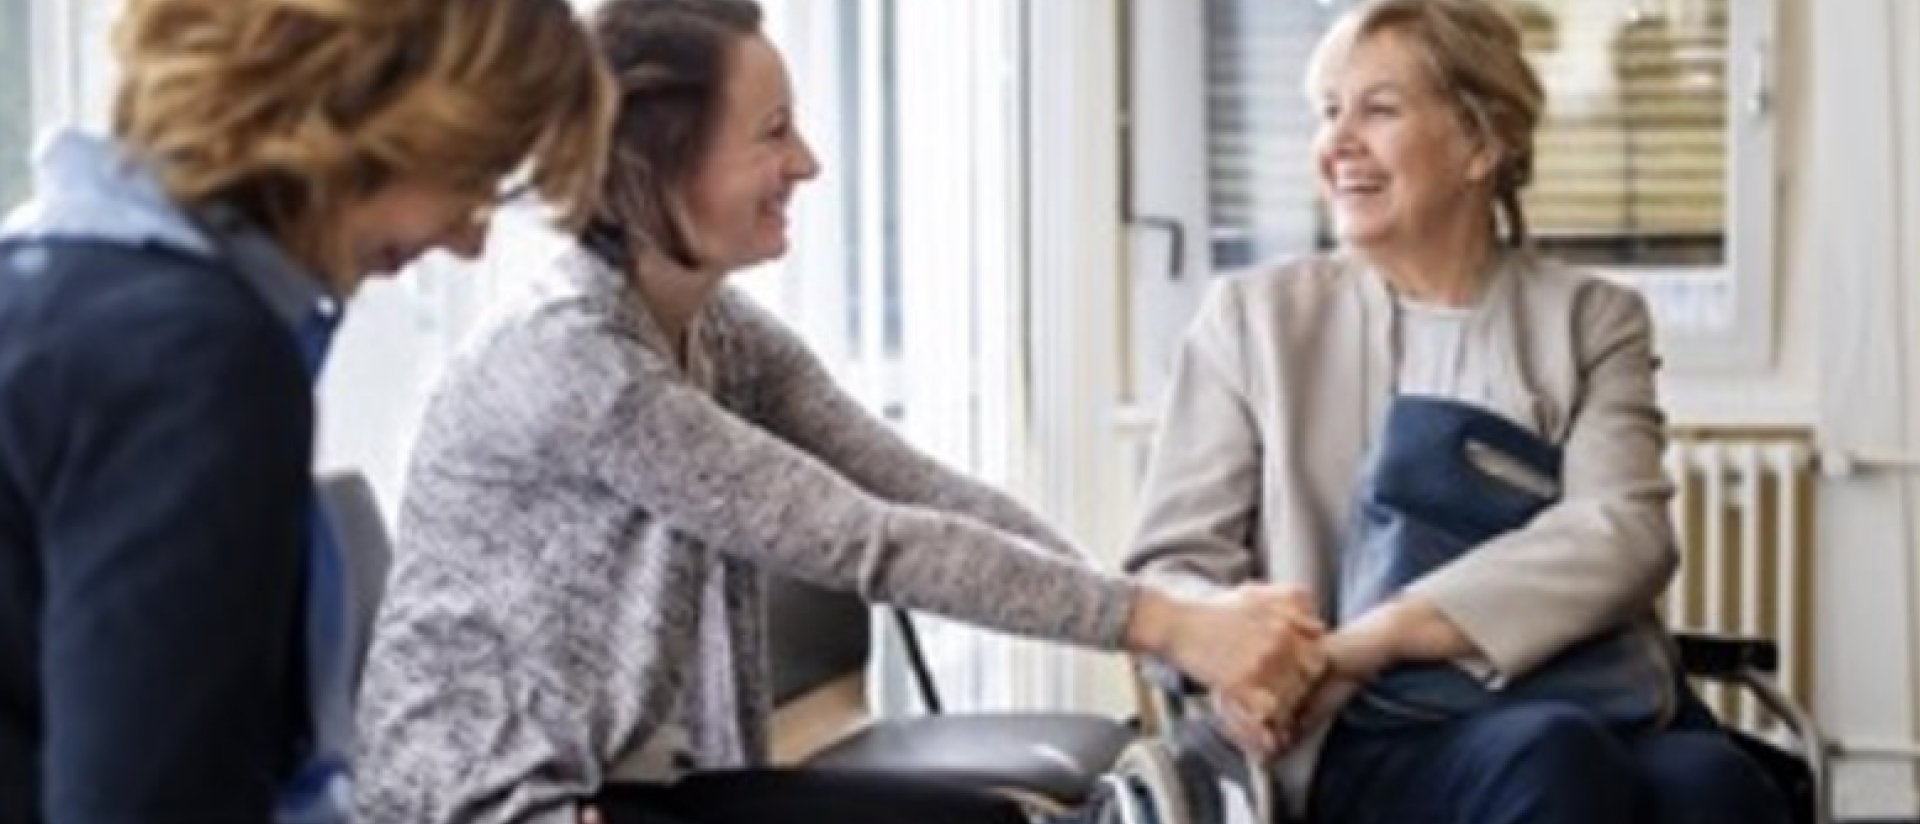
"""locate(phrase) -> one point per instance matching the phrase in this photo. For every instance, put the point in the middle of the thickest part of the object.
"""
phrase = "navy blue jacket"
(156, 429)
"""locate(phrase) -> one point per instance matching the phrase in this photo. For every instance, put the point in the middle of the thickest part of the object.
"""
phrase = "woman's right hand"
(1256, 647)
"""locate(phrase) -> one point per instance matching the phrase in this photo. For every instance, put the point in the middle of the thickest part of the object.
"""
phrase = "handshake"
(1273, 670)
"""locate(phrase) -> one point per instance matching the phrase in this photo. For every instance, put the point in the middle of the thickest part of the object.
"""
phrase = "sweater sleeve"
(1201, 496)
(669, 449)
(170, 531)
(1603, 553)
(801, 403)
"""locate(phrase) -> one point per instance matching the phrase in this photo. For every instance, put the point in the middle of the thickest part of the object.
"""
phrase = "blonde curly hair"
(291, 110)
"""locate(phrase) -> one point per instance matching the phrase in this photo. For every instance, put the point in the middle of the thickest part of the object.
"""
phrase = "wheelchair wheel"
(1150, 788)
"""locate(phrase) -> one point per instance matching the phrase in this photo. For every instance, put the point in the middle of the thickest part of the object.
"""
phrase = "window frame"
(56, 73)
(59, 65)
(49, 63)
(1742, 288)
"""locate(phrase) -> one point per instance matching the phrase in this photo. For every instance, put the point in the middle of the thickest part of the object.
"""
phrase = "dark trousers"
(1542, 762)
(840, 796)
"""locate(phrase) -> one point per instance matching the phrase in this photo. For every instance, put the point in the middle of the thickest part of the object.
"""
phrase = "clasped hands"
(1275, 672)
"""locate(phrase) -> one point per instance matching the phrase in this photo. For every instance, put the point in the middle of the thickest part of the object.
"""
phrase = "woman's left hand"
(1406, 628)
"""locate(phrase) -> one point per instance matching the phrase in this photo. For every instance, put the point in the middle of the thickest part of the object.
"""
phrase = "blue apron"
(1445, 477)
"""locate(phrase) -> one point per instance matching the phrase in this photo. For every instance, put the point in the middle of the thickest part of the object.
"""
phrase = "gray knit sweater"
(575, 596)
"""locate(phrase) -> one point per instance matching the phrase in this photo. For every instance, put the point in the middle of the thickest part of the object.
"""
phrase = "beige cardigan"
(1283, 381)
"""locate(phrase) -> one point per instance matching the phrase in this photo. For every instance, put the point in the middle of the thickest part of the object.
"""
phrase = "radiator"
(1743, 511)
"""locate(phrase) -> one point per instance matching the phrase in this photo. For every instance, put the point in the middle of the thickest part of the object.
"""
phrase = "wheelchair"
(1187, 773)
(1170, 768)
(1800, 766)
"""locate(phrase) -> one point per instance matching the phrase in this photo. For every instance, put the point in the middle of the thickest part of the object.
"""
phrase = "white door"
(1166, 171)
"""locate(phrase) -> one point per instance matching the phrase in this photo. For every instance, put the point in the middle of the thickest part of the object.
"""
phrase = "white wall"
(397, 337)
(1852, 200)
(1907, 31)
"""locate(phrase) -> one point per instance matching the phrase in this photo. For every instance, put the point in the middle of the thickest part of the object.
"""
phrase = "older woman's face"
(1396, 164)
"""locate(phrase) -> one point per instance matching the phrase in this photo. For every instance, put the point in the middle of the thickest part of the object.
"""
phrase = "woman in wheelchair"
(1455, 445)
(574, 623)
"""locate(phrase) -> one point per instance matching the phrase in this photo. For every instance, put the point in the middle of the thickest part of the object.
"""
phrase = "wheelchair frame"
(1152, 767)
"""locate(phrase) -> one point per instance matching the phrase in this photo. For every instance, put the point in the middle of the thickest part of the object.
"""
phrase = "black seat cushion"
(1053, 755)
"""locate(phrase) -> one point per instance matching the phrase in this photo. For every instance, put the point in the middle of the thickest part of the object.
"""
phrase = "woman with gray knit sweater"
(603, 476)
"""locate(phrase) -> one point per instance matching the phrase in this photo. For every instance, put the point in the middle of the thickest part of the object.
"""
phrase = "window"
(1632, 156)
(904, 273)
(1260, 176)
(55, 67)
(16, 100)
(1654, 161)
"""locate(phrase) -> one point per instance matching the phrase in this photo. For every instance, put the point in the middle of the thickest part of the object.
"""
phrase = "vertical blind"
(906, 272)
(1631, 162)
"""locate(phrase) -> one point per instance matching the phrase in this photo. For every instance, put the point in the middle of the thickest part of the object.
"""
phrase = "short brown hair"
(1474, 56)
(669, 60)
(292, 109)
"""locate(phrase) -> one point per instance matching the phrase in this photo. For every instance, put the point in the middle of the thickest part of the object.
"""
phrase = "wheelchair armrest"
(1724, 657)
(1702, 654)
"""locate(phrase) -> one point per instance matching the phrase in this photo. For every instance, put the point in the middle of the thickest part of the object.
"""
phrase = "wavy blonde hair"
(1474, 56)
(292, 110)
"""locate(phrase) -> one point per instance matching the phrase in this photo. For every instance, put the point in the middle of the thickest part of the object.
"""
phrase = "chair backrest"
(364, 547)
(815, 636)
(818, 645)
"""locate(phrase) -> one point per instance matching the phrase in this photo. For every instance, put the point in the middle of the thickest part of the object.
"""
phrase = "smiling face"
(405, 219)
(736, 204)
(1397, 165)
